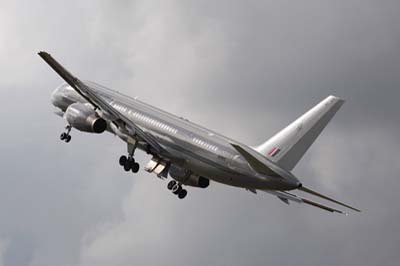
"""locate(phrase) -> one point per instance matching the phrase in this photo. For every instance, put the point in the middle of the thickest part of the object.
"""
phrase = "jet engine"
(84, 118)
(188, 178)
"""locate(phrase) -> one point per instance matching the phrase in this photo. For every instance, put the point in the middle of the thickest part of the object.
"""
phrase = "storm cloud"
(243, 68)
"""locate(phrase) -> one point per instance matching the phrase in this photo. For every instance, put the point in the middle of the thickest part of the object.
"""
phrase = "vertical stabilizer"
(288, 146)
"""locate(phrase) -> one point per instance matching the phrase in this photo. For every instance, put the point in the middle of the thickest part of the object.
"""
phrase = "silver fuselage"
(202, 151)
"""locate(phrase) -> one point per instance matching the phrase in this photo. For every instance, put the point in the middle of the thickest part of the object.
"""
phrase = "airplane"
(190, 154)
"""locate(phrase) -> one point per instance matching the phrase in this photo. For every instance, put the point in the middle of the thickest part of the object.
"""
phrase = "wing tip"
(336, 98)
(43, 53)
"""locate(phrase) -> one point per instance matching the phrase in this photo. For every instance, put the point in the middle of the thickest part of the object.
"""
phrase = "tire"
(176, 188)
(122, 160)
(68, 139)
(135, 167)
(182, 193)
(131, 161)
(127, 166)
(63, 136)
(171, 184)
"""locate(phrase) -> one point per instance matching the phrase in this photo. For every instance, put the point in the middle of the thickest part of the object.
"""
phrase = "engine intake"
(188, 178)
(84, 118)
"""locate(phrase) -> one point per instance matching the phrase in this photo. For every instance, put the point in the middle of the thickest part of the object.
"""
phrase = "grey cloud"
(255, 66)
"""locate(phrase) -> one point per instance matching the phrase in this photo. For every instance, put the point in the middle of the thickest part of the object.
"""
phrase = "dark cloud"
(254, 65)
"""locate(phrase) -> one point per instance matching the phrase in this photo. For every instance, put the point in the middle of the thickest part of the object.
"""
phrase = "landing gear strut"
(128, 162)
(177, 189)
(65, 136)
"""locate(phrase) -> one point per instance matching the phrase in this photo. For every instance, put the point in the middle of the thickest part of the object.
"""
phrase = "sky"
(242, 68)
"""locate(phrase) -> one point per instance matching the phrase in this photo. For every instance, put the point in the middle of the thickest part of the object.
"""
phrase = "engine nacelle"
(186, 177)
(84, 118)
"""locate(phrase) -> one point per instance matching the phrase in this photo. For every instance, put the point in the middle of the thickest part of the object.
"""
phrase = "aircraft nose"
(54, 97)
(58, 98)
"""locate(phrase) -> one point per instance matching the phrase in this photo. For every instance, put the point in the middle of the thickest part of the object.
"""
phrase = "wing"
(286, 197)
(91, 96)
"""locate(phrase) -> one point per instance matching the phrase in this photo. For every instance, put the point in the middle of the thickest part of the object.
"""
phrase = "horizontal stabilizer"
(255, 160)
(307, 190)
(291, 197)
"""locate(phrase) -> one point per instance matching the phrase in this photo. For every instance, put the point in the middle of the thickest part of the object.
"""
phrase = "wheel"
(176, 188)
(63, 136)
(67, 138)
(122, 160)
(182, 193)
(171, 184)
(127, 165)
(135, 167)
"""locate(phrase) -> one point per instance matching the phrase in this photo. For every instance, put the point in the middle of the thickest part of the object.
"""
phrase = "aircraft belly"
(224, 176)
(213, 172)
(208, 165)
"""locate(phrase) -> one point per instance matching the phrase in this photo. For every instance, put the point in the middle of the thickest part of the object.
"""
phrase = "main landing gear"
(128, 162)
(177, 189)
(65, 136)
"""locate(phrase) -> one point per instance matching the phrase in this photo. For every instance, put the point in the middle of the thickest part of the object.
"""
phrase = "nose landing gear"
(177, 189)
(65, 136)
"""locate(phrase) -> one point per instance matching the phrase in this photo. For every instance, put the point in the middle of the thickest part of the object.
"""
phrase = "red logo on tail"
(273, 152)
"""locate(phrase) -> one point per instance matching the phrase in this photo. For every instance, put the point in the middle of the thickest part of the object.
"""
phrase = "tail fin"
(288, 146)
